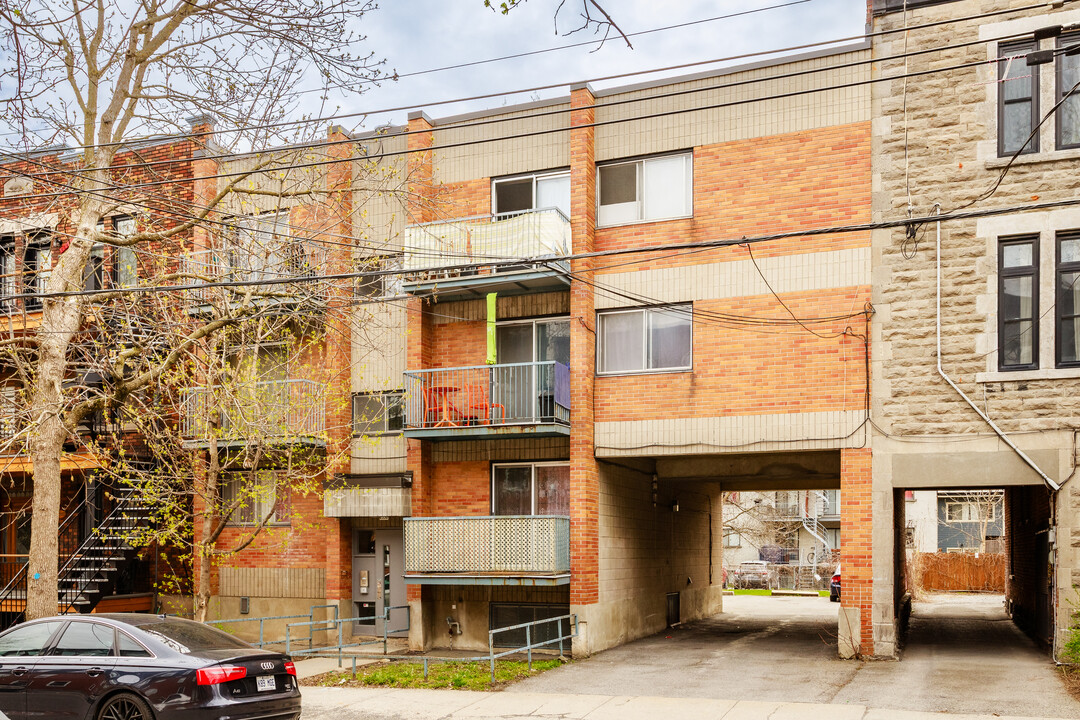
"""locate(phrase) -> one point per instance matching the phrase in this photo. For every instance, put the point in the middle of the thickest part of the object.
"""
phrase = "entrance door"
(378, 580)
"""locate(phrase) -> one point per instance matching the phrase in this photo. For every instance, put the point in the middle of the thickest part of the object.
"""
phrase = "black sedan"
(140, 667)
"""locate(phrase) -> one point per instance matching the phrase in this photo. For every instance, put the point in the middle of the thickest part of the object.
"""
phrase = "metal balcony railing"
(542, 234)
(279, 408)
(285, 260)
(507, 394)
(523, 544)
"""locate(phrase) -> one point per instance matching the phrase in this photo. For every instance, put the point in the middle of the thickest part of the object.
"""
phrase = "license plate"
(265, 682)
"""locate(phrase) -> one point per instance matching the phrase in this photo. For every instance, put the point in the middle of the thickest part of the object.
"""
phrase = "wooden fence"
(972, 572)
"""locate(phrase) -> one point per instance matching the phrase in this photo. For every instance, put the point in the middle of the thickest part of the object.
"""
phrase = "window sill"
(1043, 156)
(1027, 375)
(651, 220)
(630, 373)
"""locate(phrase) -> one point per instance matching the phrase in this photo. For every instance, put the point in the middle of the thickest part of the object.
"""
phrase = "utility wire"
(538, 133)
(719, 243)
(865, 37)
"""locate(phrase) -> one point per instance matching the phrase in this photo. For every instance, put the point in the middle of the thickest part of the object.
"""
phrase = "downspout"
(1054, 487)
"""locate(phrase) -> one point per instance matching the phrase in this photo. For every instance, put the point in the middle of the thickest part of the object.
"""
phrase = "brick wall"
(856, 550)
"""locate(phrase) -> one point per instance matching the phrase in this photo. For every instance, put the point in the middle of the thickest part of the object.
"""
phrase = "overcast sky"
(418, 35)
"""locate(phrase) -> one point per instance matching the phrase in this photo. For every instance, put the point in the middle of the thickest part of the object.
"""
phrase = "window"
(28, 640)
(125, 261)
(530, 489)
(732, 539)
(972, 510)
(1068, 115)
(651, 189)
(37, 267)
(9, 281)
(1018, 99)
(255, 498)
(645, 340)
(531, 192)
(130, 648)
(378, 413)
(377, 285)
(1067, 305)
(508, 615)
(1018, 303)
(85, 639)
(262, 249)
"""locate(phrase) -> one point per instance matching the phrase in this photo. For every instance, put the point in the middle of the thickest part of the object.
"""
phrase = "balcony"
(238, 265)
(442, 257)
(485, 401)
(280, 411)
(501, 550)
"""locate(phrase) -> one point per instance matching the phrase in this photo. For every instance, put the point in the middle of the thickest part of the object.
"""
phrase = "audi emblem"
(267, 666)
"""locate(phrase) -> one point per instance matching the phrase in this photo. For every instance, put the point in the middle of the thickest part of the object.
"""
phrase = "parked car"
(140, 667)
(753, 574)
(834, 586)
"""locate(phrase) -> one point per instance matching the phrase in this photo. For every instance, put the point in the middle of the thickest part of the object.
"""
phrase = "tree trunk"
(205, 545)
(60, 320)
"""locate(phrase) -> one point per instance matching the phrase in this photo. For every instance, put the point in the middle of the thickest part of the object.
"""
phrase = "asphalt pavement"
(764, 657)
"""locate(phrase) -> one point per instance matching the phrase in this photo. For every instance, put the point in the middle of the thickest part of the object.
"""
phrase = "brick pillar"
(420, 182)
(584, 475)
(856, 633)
(334, 215)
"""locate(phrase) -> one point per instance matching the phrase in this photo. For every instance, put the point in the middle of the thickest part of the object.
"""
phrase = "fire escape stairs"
(85, 574)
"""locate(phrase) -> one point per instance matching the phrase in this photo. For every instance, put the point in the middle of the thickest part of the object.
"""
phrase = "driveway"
(963, 655)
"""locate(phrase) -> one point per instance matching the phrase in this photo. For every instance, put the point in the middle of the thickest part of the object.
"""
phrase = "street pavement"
(762, 658)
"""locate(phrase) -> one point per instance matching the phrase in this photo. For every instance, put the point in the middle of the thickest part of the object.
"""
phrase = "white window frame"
(732, 538)
(644, 340)
(253, 515)
(535, 177)
(532, 481)
(387, 399)
(385, 286)
(969, 510)
(688, 156)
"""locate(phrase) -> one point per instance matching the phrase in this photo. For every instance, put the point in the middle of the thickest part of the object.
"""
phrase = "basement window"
(509, 614)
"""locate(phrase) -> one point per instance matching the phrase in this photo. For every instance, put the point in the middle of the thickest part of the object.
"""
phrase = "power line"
(867, 36)
(719, 243)
(537, 133)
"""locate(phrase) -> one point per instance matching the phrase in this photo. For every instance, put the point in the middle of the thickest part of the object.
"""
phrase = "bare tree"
(102, 74)
(590, 15)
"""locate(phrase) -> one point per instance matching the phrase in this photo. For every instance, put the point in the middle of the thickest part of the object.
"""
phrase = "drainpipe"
(1054, 487)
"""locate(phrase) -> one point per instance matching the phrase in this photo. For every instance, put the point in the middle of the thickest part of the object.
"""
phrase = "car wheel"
(125, 707)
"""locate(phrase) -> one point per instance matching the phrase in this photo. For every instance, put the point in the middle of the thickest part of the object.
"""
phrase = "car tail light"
(836, 579)
(219, 674)
(290, 667)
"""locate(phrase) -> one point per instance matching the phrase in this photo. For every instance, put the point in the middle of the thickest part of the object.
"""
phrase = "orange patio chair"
(478, 407)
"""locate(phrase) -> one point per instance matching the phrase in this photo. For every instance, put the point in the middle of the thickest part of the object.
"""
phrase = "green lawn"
(441, 675)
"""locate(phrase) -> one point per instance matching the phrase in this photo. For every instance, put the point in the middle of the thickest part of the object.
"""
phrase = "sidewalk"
(397, 704)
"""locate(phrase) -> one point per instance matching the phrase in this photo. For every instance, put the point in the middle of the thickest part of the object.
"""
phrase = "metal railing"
(337, 623)
(529, 235)
(263, 620)
(273, 260)
(530, 632)
(276, 408)
(498, 395)
(537, 544)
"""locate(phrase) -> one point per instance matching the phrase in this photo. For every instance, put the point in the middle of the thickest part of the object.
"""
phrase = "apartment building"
(35, 230)
(580, 382)
(974, 350)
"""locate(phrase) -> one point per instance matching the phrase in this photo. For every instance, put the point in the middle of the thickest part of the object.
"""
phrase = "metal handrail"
(19, 579)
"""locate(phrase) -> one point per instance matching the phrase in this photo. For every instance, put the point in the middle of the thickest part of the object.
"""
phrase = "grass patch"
(441, 675)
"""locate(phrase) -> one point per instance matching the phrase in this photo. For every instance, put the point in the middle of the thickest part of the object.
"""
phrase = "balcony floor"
(507, 578)
(202, 444)
(477, 286)
(484, 432)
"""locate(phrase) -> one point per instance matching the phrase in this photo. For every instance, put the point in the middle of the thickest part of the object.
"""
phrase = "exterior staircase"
(86, 566)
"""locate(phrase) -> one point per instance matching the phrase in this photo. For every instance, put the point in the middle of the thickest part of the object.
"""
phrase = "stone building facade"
(974, 374)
